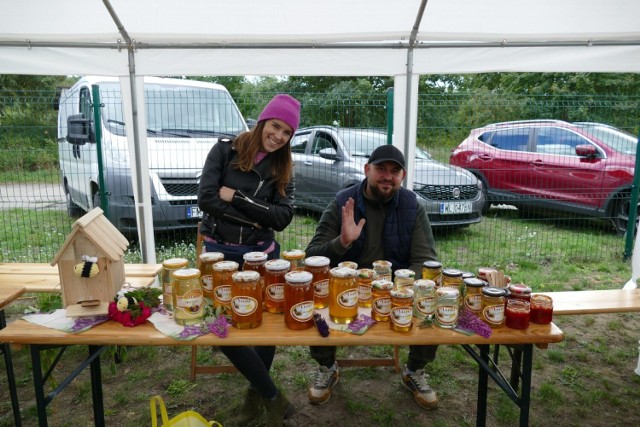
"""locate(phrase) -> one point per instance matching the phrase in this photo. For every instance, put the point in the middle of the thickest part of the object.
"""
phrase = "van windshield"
(174, 110)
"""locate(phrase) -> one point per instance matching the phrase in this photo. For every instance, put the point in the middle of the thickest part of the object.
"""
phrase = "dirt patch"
(587, 380)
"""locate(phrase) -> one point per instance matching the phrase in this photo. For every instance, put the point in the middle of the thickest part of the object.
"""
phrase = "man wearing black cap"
(377, 219)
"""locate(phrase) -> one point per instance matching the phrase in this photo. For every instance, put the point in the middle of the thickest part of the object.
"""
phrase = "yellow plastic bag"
(184, 419)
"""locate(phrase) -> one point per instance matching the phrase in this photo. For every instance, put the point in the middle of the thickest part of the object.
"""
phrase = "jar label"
(189, 305)
(348, 298)
(494, 314)
(474, 302)
(402, 316)
(275, 292)
(382, 276)
(364, 293)
(447, 314)
(426, 306)
(207, 282)
(244, 306)
(302, 311)
(321, 288)
(223, 294)
(382, 306)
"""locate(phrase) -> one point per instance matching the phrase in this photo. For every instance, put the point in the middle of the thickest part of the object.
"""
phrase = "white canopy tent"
(400, 38)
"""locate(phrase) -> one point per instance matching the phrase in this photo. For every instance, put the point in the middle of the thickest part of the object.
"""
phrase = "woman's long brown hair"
(247, 144)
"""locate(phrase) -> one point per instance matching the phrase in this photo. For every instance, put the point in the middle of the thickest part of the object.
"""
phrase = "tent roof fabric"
(332, 37)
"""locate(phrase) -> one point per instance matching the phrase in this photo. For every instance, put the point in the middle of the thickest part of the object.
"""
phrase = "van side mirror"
(329, 153)
(79, 130)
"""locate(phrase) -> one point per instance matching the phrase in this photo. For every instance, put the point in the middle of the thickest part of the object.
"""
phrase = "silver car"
(328, 159)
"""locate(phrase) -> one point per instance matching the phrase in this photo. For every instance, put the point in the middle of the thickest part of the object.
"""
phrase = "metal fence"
(34, 213)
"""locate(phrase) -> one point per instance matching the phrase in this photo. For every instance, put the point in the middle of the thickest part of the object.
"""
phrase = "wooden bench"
(594, 302)
(40, 277)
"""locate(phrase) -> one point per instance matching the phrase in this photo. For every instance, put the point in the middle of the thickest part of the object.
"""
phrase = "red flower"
(127, 318)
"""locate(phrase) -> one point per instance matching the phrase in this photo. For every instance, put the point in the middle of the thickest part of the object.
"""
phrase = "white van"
(185, 118)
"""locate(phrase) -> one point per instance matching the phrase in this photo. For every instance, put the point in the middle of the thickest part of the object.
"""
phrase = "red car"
(583, 168)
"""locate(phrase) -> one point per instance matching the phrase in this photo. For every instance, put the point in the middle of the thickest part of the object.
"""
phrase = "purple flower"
(321, 324)
(470, 322)
(190, 331)
(219, 327)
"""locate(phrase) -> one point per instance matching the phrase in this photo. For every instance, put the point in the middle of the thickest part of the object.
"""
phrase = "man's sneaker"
(320, 393)
(422, 393)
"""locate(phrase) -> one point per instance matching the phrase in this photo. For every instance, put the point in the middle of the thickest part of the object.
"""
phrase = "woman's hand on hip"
(226, 194)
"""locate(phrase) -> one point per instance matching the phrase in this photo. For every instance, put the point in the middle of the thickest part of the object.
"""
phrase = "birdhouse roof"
(95, 227)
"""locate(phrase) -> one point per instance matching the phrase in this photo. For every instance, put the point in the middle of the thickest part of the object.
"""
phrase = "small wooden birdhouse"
(91, 265)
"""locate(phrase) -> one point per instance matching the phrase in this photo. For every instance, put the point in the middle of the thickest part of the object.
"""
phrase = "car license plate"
(194, 212)
(455, 208)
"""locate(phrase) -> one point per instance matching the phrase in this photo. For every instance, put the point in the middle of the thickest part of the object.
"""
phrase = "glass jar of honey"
(381, 299)
(254, 261)
(447, 307)
(365, 277)
(343, 295)
(188, 300)
(473, 294)
(298, 300)
(401, 316)
(295, 258)
(318, 266)
(207, 260)
(452, 278)
(493, 306)
(275, 270)
(246, 299)
(424, 298)
(432, 270)
(404, 277)
(222, 281)
(168, 266)
(382, 268)
(349, 264)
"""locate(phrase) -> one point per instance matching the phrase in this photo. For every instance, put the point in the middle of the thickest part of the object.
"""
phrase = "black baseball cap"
(386, 153)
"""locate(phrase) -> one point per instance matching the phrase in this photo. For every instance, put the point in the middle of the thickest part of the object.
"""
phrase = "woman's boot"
(250, 409)
(278, 409)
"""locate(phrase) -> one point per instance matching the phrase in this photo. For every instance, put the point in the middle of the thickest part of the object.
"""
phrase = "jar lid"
(225, 266)
(424, 284)
(367, 273)
(255, 256)
(467, 275)
(186, 273)
(208, 257)
(448, 292)
(175, 263)
(343, 272)
(298, 276)
(492, 291)
(474, 282)
(277, 264)
(293, 254)
(316, 261)
(349, 264)
(452, 272)
(245, 276)
(405, 273)
(432, 264)
(519, 289)
(483, 272)
(404, 292)
(381, 263)
(382, 284)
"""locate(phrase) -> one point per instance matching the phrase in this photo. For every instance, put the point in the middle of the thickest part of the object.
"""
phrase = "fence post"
(633, 207)
(97, 119)
(390, 116)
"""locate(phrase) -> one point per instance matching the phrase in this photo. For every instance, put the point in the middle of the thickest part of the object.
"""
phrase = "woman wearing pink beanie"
(246, 192)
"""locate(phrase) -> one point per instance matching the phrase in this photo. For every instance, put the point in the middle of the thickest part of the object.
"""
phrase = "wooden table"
(274, 332)
(595, 302)
(9, 294)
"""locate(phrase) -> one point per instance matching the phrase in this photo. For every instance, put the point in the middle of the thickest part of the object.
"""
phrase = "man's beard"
(375, 193)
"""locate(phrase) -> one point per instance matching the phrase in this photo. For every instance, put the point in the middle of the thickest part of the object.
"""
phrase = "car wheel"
(620, 214)
(73, 210)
